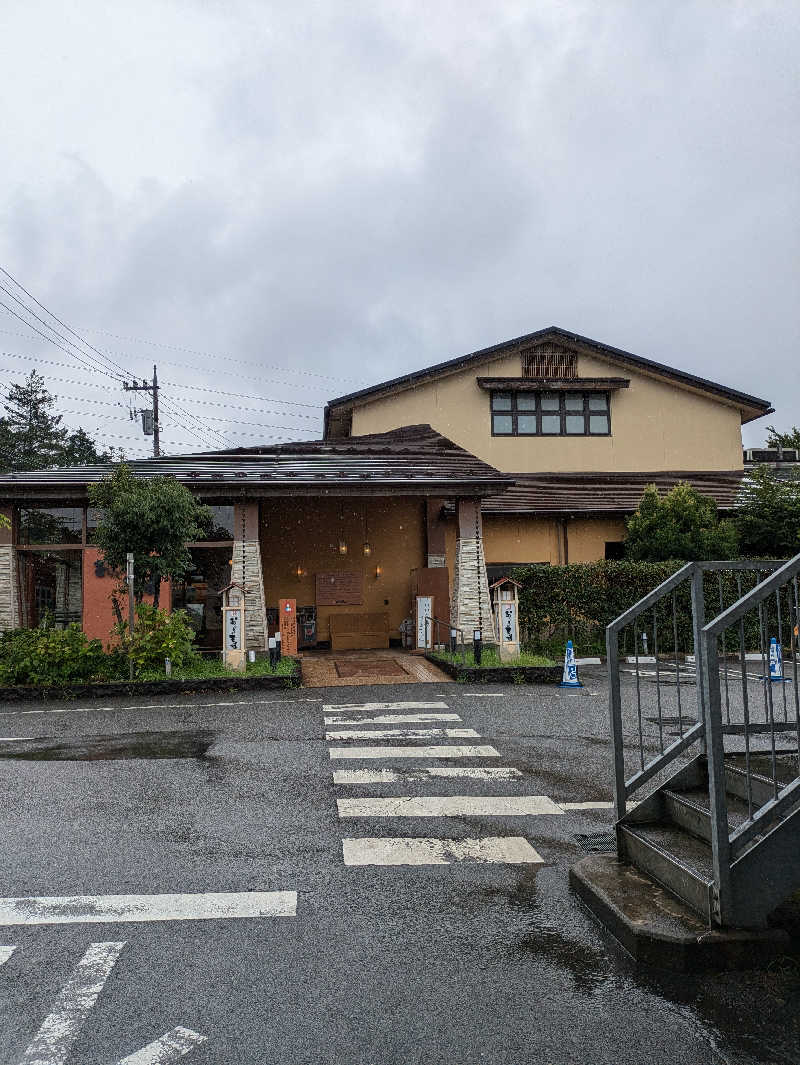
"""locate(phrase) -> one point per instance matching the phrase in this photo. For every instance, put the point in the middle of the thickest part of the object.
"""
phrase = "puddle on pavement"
(100, 748)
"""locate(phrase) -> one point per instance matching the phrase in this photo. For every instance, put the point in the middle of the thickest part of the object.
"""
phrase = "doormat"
(370, 667)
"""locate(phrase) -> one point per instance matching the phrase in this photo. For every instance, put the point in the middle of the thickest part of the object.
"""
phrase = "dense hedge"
(577, 602)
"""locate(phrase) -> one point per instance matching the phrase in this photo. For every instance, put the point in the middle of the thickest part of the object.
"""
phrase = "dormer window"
(522, 413)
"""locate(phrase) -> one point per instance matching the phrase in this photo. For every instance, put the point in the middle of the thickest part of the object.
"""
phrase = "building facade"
(532, 451)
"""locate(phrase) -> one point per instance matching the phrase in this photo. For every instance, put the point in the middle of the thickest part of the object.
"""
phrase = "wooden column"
(471, 608)
(435, 533)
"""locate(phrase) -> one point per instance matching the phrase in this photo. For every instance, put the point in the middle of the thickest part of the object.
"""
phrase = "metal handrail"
(429, 645)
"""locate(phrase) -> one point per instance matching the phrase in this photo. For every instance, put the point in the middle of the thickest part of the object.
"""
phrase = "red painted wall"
(98, 613)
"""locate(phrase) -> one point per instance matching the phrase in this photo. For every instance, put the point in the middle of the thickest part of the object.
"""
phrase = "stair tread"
(689, 851)
(699, 798)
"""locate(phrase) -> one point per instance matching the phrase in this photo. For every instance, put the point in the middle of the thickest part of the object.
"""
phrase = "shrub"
(158, 635)
(50, 656)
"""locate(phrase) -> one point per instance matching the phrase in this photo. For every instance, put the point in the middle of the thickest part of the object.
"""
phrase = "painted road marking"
(168, 1048)
(512, 850)
(394, 719)
(332, 708)
(153, 706)
(453, 751)
(587, 805)
(486, 695)
(450, 806)
(52, 1043)
(404, 734)
(93, 909)
(387, 776)
(5, 954)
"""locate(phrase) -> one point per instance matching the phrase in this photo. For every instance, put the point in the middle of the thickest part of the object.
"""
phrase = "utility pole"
(150, 426)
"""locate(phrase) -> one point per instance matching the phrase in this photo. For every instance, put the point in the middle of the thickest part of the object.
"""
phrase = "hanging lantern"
(367, 547)
(342, 547)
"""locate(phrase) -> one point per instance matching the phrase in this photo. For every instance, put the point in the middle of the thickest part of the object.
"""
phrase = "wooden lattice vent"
(549, 360)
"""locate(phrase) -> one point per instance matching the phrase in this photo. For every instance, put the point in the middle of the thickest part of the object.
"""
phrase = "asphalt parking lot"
(409, 848)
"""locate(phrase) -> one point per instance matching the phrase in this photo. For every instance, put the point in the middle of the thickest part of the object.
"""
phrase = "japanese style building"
(531, 451)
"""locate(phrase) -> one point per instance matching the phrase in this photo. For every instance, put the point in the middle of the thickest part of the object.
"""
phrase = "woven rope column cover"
(9, 613)
(471, 608)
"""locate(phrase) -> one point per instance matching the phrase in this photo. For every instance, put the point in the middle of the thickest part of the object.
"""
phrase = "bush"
(576, 602)
(51, 656)
(158, 635)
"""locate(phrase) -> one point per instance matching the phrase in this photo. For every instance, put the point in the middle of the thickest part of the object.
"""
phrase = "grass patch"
(490, 659)
(204, 668)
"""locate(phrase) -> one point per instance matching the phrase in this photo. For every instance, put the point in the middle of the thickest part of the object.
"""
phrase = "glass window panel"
(551, 423)
(51, 587)
(502, 424)
(526, 401)
(92, 520)
(573, 400)
(198, 594)
(575, 423)
(526, 424)
(550, 401)
(598, 401)
(598, 423)
(50, 525)
(501, 401)
(221, 524)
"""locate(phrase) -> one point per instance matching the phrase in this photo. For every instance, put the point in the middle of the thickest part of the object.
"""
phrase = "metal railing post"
(720, 846)
(615, 715)
(698, 621)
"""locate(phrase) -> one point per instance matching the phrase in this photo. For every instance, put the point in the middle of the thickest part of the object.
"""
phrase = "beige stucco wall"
(516, 538)
(305, 532)
(654, 425)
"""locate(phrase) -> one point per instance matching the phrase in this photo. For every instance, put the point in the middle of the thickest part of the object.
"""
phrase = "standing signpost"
(131, 610)
(233, 630)
(287, 626)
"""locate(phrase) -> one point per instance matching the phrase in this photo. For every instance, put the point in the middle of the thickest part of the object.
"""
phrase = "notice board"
(288, 626)
(343, 588)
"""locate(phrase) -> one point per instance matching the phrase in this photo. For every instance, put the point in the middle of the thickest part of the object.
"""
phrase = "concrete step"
(677, 860)
(689, 809)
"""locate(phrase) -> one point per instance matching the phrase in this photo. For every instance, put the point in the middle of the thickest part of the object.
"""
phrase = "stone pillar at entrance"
(471, 607)
(246, 571)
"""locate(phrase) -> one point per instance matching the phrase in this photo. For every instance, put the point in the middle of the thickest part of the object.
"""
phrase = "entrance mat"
(370, 667)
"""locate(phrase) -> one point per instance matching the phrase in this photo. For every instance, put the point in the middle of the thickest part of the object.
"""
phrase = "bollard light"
(271, 646)
(278, 646)
(168, 667)
(251, 656)
(477, 645)
(453, 636)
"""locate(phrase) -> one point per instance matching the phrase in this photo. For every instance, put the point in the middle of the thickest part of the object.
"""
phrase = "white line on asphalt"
(450, 806)
(486, 695)
(8, 739)
(152, 706)
(387, 776)
(169, 1047)
(53, 1042)
(5, 954)
(454, 751)
(93, 909)
(404, 734)
(507, 849)
(587, 805)
(394, 719)
(330, 708)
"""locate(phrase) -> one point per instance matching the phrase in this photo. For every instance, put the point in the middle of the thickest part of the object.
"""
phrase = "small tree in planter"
(152, 518)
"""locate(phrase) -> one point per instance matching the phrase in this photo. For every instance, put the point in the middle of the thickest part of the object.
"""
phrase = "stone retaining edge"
(498, 674)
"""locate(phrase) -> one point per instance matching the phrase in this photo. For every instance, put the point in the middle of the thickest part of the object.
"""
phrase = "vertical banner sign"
(424, 610)
(287, 623)
(233, 629)
(775, 660)
(508, 621)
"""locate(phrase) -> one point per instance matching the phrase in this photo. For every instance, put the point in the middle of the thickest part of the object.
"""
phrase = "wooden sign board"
(287, 609)
(340, 589)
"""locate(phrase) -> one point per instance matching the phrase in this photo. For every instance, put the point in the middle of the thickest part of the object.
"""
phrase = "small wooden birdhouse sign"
(233, 630)
(505, 604)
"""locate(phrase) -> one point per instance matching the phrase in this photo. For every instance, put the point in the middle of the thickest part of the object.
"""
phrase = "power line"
(244, 395)
(228, 358)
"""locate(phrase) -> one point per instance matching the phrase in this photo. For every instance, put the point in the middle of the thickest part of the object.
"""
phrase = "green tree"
(151, 517)
(683, 524)
(790, 439)
(768, 518)
(32, 436)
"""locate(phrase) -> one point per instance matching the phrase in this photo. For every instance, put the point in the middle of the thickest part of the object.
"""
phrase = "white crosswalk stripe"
(449, 806)
(510, 850)
(5, 954)
(330, 708)
(389, 776)
(444, 751)
(394, 719)
(404, 734)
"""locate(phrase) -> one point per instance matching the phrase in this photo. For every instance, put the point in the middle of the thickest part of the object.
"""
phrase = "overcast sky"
(355, 190)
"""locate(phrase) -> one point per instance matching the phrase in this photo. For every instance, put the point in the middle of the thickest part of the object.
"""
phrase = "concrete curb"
(498, 674)
(105, 690)
(656, 929)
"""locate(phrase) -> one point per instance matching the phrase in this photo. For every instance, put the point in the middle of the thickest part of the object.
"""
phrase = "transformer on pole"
(149, 415)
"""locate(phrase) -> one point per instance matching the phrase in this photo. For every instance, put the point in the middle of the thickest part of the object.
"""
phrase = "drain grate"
(596, 842)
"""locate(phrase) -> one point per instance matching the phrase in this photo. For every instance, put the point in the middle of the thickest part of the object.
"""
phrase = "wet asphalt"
(439, 964)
